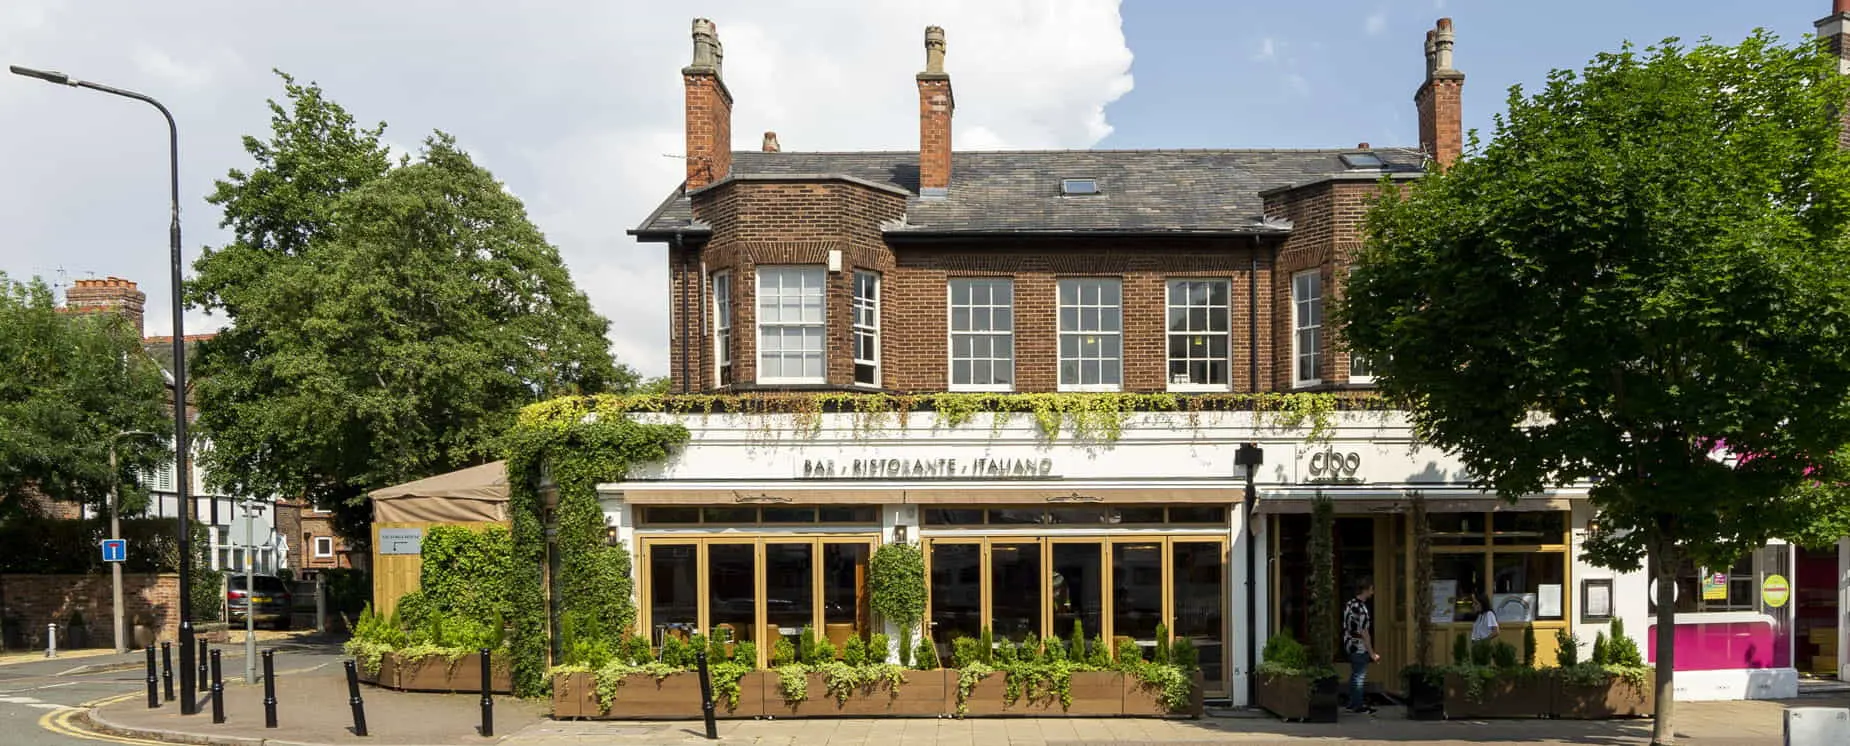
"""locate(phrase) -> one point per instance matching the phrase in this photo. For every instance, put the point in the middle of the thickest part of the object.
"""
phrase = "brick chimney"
(709, 110)
(108, 295)
(935, 106)
(1834, 29)
(770, 143)
(1439, 100)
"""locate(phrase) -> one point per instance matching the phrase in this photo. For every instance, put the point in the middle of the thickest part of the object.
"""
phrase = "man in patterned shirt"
(1359, 642)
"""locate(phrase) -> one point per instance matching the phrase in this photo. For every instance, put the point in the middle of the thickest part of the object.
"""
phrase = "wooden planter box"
(922, 695)
(643, 697)
(440, 674)
(1425, 698)
(1618, 698)
(1522, 696)
(1298, 698)
(1143, 700)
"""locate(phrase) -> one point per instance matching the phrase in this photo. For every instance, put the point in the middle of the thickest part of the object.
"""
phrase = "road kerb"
(93, 720)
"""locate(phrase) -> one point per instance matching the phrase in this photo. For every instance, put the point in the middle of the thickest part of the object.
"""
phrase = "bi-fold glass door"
(756, 589)
(1117, 588)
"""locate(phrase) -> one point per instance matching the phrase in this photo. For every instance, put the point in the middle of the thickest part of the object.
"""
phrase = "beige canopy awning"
(986, 495)
(475, 494)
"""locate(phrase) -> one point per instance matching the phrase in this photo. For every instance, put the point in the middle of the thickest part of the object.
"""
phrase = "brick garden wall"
(38, 600)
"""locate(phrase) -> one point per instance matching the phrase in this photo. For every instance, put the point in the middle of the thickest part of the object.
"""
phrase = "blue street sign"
(115, 550)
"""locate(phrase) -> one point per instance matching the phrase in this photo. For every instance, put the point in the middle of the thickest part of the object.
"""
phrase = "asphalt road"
(39, 699)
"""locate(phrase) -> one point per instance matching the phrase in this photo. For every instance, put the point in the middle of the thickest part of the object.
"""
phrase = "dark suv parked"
(272, 600)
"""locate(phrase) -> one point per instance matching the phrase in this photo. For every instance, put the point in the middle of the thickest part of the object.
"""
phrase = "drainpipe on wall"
(1246, 509)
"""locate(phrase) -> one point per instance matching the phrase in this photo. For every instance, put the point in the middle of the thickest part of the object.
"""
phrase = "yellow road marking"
(59, 722)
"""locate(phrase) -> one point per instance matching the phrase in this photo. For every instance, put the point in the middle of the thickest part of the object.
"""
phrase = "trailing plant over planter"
(1084, 416)
(578, 442)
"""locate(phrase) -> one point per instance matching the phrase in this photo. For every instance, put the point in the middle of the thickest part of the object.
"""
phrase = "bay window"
(791, 324)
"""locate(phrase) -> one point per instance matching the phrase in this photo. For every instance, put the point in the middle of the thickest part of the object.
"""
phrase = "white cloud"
(577, 104)
(1268, 50)
(1377, 22)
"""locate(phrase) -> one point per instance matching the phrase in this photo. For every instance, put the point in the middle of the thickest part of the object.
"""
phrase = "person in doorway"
(1359, 642)
(1486, 626)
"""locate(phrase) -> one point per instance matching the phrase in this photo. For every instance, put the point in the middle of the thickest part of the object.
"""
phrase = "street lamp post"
(181, 456)
(1250, 456)
(115, 532)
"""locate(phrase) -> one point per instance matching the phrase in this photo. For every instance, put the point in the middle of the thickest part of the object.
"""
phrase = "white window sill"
(975, 389)
(1307, 383)
(1092, 389)
(1362, 380)
(1199, 388)
(790, 381)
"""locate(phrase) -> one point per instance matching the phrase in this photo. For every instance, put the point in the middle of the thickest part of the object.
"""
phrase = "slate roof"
(1142, 191)
(161, 350)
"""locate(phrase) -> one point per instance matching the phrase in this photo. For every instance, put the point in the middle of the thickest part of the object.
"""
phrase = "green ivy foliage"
(469, 573)
(579, 442)
(896, 577)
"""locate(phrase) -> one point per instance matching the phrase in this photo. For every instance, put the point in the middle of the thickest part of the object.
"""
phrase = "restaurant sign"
(928, 468)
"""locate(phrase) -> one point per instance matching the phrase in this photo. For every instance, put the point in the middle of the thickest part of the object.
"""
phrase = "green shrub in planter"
(926, 657)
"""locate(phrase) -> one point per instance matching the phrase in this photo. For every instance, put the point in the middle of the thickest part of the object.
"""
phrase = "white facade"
(1367, 464)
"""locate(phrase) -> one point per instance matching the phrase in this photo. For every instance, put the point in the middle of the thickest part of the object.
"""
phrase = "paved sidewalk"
(1702, 723)
(312, 708)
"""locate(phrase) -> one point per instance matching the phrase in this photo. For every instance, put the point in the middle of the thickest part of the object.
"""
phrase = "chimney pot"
(770, 142)
(934, 50)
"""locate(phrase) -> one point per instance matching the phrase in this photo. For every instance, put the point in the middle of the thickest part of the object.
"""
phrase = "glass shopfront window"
(1119, 588)
(755, 588)
(956, 593)
(1078, 588)
(674, 604)
(1513, 561)
(732, 596)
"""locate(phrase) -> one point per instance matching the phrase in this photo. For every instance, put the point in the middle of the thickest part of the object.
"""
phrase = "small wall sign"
(401, 541)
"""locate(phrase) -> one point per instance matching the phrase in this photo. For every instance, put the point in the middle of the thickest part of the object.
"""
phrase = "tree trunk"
(1663, 564)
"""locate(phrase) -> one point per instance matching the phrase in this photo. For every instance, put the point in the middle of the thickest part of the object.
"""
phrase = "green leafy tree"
(1644, 264)
(386, 321)
(69, 383)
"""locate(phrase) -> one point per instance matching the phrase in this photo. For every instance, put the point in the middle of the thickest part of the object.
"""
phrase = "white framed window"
(1091, 334)
(982, 334)
(791, 324)
(324, 546)
(1306, 327)
(722, 327)
(1359, 369)
(1200, 335)
(867, 328)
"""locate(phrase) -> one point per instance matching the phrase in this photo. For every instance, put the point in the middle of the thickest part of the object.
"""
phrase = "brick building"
(1193, 273)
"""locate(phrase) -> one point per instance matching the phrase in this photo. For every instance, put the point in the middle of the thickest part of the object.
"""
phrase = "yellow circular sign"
(1774, 591)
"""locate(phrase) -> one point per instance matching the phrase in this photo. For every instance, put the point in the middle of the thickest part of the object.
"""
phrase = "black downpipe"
(1252, 592)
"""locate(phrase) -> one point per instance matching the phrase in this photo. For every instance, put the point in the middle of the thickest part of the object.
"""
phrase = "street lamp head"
(49, 76)
(1249, 455)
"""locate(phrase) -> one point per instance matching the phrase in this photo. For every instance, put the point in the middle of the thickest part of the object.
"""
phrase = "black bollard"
(167, 669)
(488, 701)
(353, 698)
(269, 689)
(218, 692)
(154, 694)
(706, 695)
(204, 655)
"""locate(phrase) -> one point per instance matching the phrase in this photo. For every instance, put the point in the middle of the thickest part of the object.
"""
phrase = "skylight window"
(1074, 187)
(1362, 160)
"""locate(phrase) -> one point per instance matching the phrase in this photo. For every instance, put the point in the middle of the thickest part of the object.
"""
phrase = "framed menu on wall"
(1596, 600)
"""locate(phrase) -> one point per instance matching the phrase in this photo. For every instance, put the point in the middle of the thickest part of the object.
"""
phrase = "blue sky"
(1339, 72)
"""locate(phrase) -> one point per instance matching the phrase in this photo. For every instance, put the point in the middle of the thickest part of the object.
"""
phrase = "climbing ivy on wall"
(578, 442)
(1080, 416)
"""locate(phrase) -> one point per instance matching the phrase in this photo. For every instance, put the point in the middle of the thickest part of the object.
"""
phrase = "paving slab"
(313, 708)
